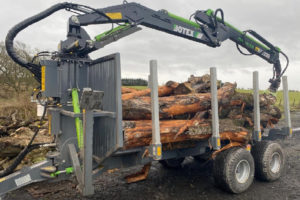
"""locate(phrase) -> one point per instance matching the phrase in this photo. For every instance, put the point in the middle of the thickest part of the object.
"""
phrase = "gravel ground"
(193, 181)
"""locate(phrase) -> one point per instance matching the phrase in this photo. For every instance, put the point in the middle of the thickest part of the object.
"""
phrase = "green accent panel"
(106, 33)
(210, 12)
(78, 121)
(194, 24)
(278, 49)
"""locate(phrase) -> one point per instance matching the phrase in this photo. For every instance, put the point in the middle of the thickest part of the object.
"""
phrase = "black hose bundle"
(33, 68)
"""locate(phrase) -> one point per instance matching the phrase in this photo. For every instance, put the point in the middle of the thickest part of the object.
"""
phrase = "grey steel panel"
(105, 76)
(71, 75)
(68, 136)
(51, 78)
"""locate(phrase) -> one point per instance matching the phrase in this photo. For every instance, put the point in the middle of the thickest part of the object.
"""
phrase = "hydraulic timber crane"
(207, 28)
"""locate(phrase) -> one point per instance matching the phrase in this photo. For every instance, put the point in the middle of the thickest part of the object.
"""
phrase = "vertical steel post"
(288, 125)
(215, 139)
(88, 123)
(257, 131)
(153, 83)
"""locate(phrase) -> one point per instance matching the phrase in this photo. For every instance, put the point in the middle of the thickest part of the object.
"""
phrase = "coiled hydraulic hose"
(33, 68)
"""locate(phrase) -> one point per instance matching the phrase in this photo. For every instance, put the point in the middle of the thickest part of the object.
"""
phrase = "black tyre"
(172, 163)
(233, 170)
(269, 160)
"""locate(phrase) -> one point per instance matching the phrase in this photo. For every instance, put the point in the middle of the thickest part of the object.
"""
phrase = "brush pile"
(15, 134)
(185, 113)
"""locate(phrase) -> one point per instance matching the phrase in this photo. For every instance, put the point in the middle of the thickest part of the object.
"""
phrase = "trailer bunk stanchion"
(256, 131)
(215, 139)
(156, 148)
(288, 125)
(88, 123)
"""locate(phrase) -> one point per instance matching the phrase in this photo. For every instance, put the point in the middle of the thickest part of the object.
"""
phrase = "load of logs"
(185, 113)
(185, 118)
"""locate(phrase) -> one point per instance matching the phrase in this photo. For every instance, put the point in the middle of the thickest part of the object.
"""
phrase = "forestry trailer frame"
(84, 99)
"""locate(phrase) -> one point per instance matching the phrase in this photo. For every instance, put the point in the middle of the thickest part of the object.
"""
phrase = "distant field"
(293, 95)
(137, 87)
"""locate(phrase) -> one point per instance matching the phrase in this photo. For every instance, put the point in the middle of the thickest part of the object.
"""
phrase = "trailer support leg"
(256, 131)
(215, 139)
(75, 164)
(156, 148)
(288, 125)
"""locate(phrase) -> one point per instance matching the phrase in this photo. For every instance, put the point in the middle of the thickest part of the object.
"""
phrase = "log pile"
(185, 113)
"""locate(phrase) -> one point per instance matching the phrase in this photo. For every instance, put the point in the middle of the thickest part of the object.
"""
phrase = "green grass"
(137, 87)
(294, 97)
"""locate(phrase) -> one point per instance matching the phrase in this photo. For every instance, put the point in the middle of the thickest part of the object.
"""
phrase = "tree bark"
(184, 88)
(162, 91)
(139, 133)
(140, 108)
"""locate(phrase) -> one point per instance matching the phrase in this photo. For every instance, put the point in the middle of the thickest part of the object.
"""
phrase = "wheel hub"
(275, 163)
(242, 171)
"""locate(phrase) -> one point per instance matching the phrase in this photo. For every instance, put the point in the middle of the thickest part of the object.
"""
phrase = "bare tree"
(12, 76)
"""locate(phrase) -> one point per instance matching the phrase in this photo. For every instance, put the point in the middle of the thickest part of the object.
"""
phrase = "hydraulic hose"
(9, 41)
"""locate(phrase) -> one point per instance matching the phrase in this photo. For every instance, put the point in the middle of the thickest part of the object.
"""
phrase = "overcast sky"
(178, 58)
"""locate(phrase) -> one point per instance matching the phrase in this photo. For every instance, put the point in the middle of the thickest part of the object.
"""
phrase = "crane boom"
(207, 28)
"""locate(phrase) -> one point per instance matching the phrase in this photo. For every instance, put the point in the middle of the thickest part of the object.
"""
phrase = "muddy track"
(193, 181)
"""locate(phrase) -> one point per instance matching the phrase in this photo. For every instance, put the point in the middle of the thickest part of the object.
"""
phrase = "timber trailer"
(85, 110)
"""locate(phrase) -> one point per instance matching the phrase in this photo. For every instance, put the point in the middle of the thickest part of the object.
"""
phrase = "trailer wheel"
(233, 170)
(269, 160)
(173, 163)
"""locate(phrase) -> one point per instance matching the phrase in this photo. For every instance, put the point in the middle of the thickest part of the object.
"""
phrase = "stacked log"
(162, 91)
(185, 113)
(139, 108)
